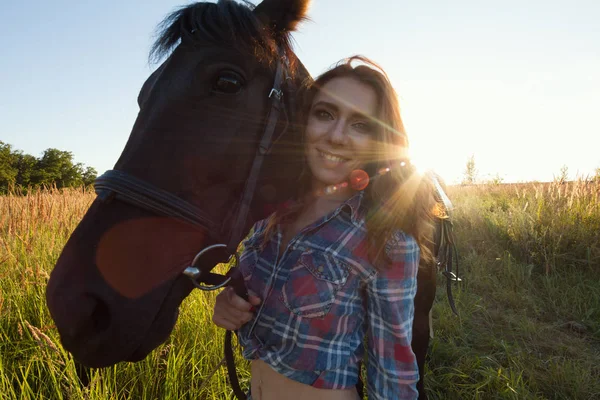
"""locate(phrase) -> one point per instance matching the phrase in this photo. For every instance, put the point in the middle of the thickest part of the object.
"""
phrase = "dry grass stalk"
(42, 339)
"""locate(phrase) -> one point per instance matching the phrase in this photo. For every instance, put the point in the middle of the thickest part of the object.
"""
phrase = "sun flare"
(426, 158)
(423, 161)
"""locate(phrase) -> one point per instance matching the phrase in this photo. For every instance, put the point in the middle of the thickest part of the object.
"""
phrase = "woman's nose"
(337, 134)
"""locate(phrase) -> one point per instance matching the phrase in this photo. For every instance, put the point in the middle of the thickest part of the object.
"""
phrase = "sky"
(515, 84)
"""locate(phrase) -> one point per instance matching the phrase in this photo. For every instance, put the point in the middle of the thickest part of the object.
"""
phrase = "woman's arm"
(230, 310)
(392, 367)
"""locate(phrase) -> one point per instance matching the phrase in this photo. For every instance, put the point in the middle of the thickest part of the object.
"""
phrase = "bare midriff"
(267, 384)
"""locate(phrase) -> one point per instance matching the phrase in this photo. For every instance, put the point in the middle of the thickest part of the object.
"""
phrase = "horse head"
(117, 286)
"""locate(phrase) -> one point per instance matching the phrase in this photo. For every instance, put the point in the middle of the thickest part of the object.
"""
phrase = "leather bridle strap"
(131, 190)
(447, 253)
(237, 280)
(447, 257)
(264, 146)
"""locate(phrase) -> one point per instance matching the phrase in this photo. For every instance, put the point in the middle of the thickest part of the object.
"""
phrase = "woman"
(340, 262)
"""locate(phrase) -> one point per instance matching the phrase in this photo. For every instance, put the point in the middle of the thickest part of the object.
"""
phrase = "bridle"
(124, 187)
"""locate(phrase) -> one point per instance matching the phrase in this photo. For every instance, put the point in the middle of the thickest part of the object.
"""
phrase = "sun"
(426, 159)
(423, 161)
(420, 162)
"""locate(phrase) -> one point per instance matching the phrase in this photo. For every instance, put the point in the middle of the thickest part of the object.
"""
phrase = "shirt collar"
(354, 204)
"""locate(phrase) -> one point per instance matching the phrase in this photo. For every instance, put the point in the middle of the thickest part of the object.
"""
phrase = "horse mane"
(226, 22)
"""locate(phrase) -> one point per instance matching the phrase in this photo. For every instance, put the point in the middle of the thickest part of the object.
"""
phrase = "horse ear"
(282, 15)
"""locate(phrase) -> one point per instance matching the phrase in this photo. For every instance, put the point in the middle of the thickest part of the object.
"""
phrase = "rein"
(447, 254)
(124, 187)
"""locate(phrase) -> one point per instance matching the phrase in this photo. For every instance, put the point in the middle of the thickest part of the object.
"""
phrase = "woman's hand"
(231, 311)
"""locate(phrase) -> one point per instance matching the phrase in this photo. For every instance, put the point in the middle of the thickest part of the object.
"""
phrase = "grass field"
(529, 325)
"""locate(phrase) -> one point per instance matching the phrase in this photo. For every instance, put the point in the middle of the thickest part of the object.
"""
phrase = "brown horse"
(117, 286)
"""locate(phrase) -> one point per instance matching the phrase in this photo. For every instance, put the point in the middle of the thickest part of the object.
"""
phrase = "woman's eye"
(363, 127)
(228, 82)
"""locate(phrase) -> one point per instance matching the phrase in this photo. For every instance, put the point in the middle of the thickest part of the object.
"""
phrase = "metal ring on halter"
(194, 273)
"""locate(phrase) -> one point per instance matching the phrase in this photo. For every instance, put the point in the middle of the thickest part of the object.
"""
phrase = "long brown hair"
(398, 199)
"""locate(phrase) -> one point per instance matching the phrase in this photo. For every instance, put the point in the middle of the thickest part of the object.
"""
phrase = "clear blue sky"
(516, 83)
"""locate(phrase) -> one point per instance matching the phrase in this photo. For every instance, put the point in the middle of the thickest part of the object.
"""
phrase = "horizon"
(515, 86)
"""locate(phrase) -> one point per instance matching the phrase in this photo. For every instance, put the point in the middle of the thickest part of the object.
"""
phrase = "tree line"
(55, 168)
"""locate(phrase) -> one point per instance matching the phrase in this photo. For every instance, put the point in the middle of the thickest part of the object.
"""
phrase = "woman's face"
(340, 131)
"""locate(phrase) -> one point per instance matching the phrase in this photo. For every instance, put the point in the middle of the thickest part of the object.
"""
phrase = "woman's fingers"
(229, 319)
(225, 323)
(253, 298)
(233, 316)
(236, 301)
(231, 311)
(232, 307)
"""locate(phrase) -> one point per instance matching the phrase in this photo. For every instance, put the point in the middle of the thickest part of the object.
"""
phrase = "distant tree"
(563, 175)
(26, 165)
(8, 170)
(470, 174)
(89, 176)
(56, 167)
(496, 180)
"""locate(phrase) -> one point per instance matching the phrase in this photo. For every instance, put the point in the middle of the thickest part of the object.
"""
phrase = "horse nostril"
(100, 316)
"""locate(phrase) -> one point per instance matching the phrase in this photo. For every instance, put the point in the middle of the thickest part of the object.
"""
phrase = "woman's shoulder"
(261, 225)
(400, 242)
(403, 255)
(256, 233)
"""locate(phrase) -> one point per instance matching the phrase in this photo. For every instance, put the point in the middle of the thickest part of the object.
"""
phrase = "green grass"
(529, 324)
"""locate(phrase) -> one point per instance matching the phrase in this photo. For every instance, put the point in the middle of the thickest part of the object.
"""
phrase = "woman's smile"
(331, 157)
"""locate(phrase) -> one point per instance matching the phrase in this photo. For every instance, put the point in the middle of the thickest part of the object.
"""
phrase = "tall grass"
(549, 225)
(529, 325)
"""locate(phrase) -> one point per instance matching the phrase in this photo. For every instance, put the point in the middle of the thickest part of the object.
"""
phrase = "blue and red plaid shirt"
(314, 316)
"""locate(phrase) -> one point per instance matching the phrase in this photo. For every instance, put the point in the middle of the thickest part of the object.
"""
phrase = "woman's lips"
(332, 158)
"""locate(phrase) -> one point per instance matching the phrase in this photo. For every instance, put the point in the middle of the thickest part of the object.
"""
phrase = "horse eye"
(228, 82)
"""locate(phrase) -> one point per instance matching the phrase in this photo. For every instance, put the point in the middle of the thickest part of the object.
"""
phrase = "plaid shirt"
(312, 320)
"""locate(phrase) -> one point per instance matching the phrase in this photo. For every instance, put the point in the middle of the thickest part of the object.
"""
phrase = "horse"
(214, 148)
(116, 287)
